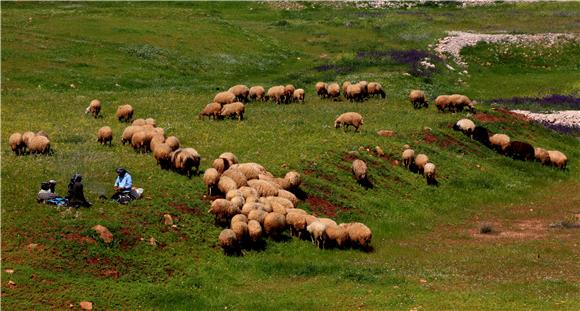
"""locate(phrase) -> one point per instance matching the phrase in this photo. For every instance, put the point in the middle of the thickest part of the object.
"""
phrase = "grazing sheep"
(333, 90)
(139, 122)
(240, 91)
(39, 145)
(254, 230)
(17, 143)
(226, 184)
(288, 195)
(162, 155)
(223, 210)
(344, 87)
(418, 99)
(233, 110)
(317, 232)
(321, 89)
(520, 151)
(408, 157)
(283, 203)
(94, 108)
(140, 141)
(129, 132)
(558, 159)
(359, 170)
(230, 157)
(240, 229)
(229, 242)
(354, 92)
(288, 92)
(359, 234)
(250, 206)
(481, 134)
(298, 96)
(258, 215)
(274, 224)
(224, 98)
(457, 102)
(291, 181)
(43, 133)
(264, 188)
(232, 194)
(151, 121)
(466, 126)
(310, 219)
(248, 192)
(499, 142)
(26, 137)
(257, 93)
(542, 155)
(297, 223)
(375, 88)
(124, 113)
(442, 102)
(211, 178)
(237, 176)
(429, 172)
(184, 160)
(156, 140)
(105, 135)
(220, 164)
(420, 162)
(277, 94)
(251, 170)
(349, 119)
(337, 236)
(211, 110)
(328, 222)
(172, 142)
(379, 151)
(364, 85)
(239, 218)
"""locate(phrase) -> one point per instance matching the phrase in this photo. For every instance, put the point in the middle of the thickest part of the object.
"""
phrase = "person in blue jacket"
(123, 186)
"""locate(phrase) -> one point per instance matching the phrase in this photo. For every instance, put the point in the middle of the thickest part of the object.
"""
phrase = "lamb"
(211, 110)
(420, 162)
(233, 110)
(224, 98)
(288, 92)
(237, 176)
(274, 224)
(254, 230)
(321, 89)
(499, 142)
(337, 236)
(162, 155)
(104, 135)
(298, 96)
(349, 119)
(542, 155)
(211, 178)
(185, 159)
(418, 99)
(442, 102)
(375, 88)
(520, 151)
(16, 143)
(277, 94)
(229, 242)
(481, 134)
(124, 113)
(333, 90)
(317, 232)
(429, 172)
(354, 92)
(240, 229)
(226, 184)
(359, 234)
(230, 157)
(359, 170)
(172, 142)
(297, 223)
(241, 92)
(408, 157)
(94, 108)
(39, 145)
(466, 126)
(558, 159)
(257, 93)
(264, 188)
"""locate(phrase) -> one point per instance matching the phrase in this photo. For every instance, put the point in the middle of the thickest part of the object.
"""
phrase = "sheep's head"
(336, 124)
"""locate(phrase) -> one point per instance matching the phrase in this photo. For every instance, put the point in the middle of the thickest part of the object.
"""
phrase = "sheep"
(124, 113)
(457, 102)
(162, 155)
(39, 145)
(349, 119)
(211, 177)
(224, 98)
(229, 242)
(282, 204)
(317, 232)
(297, 223)
(16, 143)
(375, 88)
(288, 195)
(344, 87)
(277, 94)
(230, 157)
(42, 133)
(321, 89)
(254, 230)
(354, 92)
(520, 151)
(251, 170)
(333, 90)
(258, 215)
(104, 135)
(233, 110)
(310, 219)
(94, 108)
(542, 155)
(156, 140)
(408, 157)
(26, 137)
(288, 92)
(223, 210)
(466, 126)
(364, 85)
(291, 181)
(211, 110)
(359, 234)
(239, 218)
(257, 93)
(337, 236)
(226, 184)
(298, 96)
(481, 134)
(264, 188)
(240, 91)
(172, 142)
(418, 99)
(274, 224)
(240, 229)
(140, 141)
(558, 159)
(128, 133)
(420, 162)
(359, 170)
(248, 192)
(232, 194)
(442, 102)
(429, 173)
(151, 121)
(499, 142)
(237, 176)
(328, 222)
(186, 159)
(139, 122)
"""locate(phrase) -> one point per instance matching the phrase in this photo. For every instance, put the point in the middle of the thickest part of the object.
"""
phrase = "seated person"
(123, 186)
(47, 191)
(76, 196)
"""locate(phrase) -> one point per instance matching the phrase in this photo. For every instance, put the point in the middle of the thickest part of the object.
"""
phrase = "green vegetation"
(169, 59)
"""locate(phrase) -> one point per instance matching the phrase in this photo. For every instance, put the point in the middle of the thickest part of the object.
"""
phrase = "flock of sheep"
(256, 204)
(352, 91)
(30, 143)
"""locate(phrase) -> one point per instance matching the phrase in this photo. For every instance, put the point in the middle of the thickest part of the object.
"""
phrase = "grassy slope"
(168, 59)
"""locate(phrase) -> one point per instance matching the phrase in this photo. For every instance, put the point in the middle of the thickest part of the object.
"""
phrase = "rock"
(167, 219)
(152, 241)
(11, 284)
(386, 133)
(379, 151)
(104, 233)
(9, 271)
(86, 305)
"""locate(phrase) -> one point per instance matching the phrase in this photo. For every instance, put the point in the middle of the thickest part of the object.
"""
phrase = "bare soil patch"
(320, 206)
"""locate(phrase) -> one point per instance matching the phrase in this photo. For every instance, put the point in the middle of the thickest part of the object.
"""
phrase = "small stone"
(423, 281)
(152, 241)
(167, 219)
(9, 271)
(86, 305)
(386, 133)
(379, 151)
(32, 246)
(11, 284)
(104, 233)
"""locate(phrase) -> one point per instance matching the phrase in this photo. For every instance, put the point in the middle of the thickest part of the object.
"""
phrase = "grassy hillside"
(169, 59)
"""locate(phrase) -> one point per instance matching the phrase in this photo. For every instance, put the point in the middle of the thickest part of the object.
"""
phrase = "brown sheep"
(291, 181)
(26, 137)
(240, 229)
(17, 143)
(172, 142)
(298, 96)
(139, 122)
(321, 89)
(359, 170)
(105, 135)
(226, 184)
(297, 224)
(558, 159)
(211, 177)
(418, 99)
(223, 210)
(277, 94)
(39, 145)
(359, 234)
(420, 162)
(140, 141)
(354, 93)
(345, 86)
(542, 156)
(337, 236)
(349, 119)
(288, 195)
(151, 121)
(288, 92)
(257, 93)
(162, 154)
(274, 224)
(128, 133)
(224, 98)
(254, 230)
(230, 157)
(186, 159)
(211, 110)
(499, 142)
(94, 108)
(263, 187)
(241, 92)
(442, 102)
(375, 88)
(364, 88)
(229, 242)
(220, 164)
(251, 170)
(237, 176)
(233, 110)
(458, 102)
(124, 113)
(408, 157)
(258, 215)
(333, 90)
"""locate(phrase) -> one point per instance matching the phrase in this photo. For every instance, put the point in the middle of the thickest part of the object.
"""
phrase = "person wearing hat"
(123, 185)
(76, 196)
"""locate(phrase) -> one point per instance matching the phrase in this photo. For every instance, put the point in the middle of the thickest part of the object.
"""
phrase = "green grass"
(169, 59)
